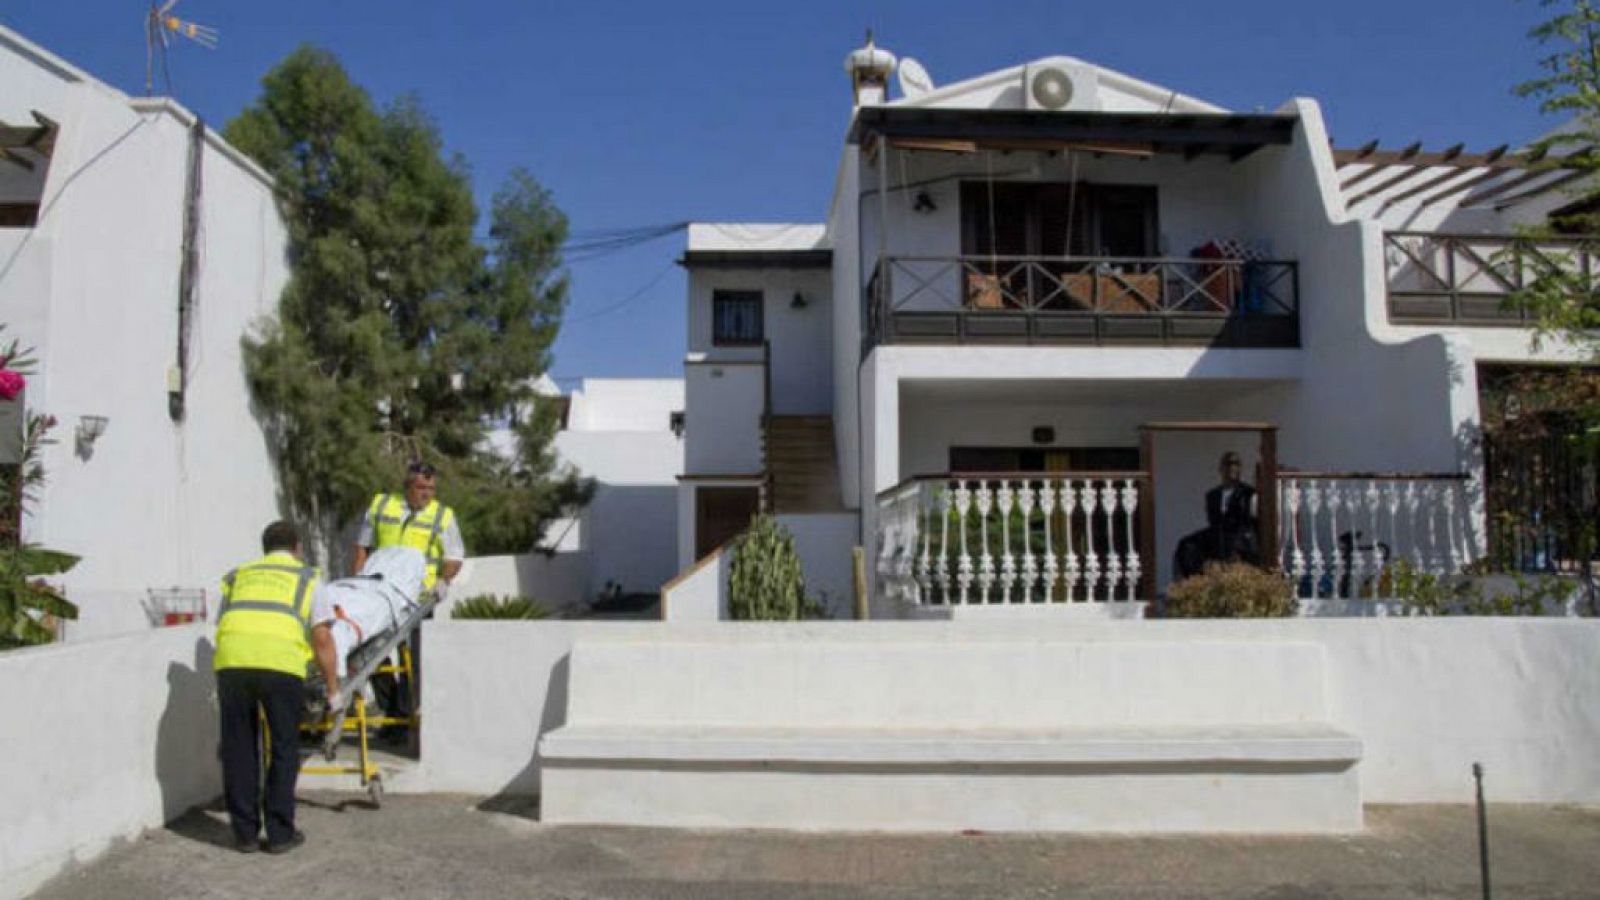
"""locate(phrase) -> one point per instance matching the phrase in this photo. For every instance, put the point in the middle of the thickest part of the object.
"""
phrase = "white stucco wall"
(700, 592)
(94, 287)
(799, 336)
(823, 542)
(629, 528)
(104, 739)
(624, 404)
(1427, 698)
(722, 418)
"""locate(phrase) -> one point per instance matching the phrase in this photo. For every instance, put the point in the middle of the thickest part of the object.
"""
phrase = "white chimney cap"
(870, 63)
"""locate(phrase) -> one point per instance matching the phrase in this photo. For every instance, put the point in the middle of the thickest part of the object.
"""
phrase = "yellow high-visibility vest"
(265, 622)
(394, 524)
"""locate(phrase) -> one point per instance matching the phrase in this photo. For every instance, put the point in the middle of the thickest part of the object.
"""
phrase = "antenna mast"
(158, 25)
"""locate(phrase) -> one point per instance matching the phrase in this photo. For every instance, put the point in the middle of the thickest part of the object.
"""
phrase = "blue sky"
(647, 113)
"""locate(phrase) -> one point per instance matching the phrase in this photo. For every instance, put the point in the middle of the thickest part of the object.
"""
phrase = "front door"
(721, 513)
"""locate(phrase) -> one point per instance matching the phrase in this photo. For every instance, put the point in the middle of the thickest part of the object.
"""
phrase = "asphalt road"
(452, 846)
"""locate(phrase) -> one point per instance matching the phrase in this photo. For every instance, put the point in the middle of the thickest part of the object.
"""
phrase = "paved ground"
(442, 846)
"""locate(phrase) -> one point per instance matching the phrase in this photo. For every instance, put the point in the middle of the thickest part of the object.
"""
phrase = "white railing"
(1342, 535)
(982, 539)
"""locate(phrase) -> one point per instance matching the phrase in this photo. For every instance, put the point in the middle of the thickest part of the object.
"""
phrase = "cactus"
(764, 579)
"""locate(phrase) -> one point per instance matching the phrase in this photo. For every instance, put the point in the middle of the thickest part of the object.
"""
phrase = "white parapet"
(910, 736)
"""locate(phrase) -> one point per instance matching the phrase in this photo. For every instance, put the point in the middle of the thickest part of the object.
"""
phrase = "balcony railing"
(1083, 300)
(1007, 539)
(1342, 535)
(1462, 279)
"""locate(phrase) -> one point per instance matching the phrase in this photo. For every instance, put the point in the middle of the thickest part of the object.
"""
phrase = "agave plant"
(488, 606)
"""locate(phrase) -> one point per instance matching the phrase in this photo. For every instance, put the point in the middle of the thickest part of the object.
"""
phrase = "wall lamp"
(924, 203)
(799, 301)
(89, 430)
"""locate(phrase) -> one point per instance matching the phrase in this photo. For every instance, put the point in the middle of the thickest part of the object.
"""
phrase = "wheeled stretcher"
(377, 614)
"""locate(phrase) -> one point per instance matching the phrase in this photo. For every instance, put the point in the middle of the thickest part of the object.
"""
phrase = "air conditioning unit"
(1060, 86)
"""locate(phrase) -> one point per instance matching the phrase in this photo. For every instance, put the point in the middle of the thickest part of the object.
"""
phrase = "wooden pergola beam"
(1434, 182)
(1378, 164)
(1547, 187)
(1410, 173)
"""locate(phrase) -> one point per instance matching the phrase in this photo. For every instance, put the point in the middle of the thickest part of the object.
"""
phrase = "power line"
(624, 301)
(587, 245)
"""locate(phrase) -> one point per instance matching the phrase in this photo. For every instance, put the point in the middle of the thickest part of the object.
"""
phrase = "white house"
(136, 247)
(1046, 299)
(625, 434)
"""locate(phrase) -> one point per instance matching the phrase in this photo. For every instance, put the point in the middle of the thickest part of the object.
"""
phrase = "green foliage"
(1562, 299)
(27, 601)
(1426, 594)
(489, 606)
(399, 336)
(764, 579)
(1231, 591)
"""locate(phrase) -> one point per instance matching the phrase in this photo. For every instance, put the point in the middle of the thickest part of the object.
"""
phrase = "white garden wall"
(102, 740)
(1427, 698)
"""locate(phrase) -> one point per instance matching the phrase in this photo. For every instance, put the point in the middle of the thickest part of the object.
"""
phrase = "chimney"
(869, 68)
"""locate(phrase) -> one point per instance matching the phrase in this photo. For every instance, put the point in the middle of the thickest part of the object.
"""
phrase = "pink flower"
(11, 384)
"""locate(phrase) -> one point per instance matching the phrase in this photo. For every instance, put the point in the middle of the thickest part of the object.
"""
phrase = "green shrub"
(764, 579)
(1231, 591)
(488, 606)
(1426, 594)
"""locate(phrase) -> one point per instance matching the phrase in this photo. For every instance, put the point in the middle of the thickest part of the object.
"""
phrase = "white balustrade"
(1047, 538)
(1341, 536)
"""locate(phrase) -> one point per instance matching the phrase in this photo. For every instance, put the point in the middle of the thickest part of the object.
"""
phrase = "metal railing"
(1463, 279)
(973, 538)
(1066, 299)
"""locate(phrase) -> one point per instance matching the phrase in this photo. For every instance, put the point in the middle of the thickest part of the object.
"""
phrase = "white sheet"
(375, 601)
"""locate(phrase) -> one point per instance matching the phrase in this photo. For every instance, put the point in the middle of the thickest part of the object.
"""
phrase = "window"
(735, 318)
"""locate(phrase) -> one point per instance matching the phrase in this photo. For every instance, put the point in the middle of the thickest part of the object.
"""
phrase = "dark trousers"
(242, 696)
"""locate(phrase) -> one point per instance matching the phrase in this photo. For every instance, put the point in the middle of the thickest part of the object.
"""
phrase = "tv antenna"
(159, 25)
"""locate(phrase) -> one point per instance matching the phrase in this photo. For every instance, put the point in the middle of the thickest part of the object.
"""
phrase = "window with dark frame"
(736, 318)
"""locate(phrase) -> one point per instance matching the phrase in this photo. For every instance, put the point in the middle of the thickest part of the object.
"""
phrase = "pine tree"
(399, 336)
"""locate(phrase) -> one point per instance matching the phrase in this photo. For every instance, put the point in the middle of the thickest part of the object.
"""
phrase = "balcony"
(1075, 300)
(1456, 279)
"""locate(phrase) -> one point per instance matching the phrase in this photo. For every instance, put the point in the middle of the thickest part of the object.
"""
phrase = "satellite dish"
(914, 80)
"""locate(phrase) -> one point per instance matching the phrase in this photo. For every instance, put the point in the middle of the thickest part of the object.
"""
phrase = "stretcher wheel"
(375, 791)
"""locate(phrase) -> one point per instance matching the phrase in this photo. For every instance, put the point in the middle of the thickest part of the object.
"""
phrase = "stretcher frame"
(347, 713)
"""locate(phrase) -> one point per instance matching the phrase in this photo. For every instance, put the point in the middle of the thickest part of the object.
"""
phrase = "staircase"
(803, 474)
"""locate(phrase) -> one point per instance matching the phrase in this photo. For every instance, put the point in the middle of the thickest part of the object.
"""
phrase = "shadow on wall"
(520, 796)
(186, 737)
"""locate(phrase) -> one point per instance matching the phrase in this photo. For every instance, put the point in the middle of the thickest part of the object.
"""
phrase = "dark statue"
(1230, 532)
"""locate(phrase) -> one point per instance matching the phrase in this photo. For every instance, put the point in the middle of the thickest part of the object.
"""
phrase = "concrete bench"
(911, 736)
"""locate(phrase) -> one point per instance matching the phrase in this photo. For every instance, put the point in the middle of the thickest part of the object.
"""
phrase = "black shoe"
(246, 846)
(285, 846)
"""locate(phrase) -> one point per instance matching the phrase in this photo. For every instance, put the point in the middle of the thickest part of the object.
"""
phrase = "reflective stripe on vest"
(390, 530)
(265, 618)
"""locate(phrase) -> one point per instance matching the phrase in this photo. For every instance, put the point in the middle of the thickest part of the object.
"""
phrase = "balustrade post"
(964, 573)
(1108, 502)
(1130, 503)
(1091, 566)
(1313, 509)
(1008, 562)
(1030, 567)
(1047, 508)
(942, 563)
(986, 573)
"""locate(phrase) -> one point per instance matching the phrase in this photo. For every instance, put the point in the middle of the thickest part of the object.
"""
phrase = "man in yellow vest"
(414, 518)
(265, 640)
